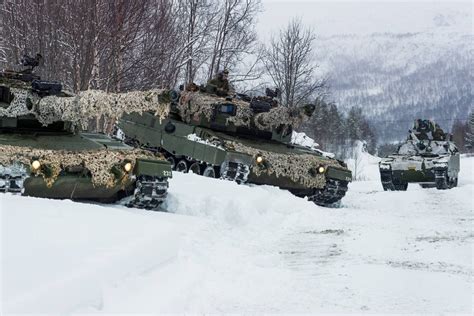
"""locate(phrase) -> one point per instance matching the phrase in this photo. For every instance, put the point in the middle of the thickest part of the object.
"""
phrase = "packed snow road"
(226, 248)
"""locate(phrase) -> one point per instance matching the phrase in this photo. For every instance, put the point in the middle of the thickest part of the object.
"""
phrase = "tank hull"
(149, 131)
(147, 181)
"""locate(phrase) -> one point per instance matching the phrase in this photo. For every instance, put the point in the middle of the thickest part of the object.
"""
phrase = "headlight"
(35, 165)
(321, 169)
(127, 167)
(259, 159)
(384, 166)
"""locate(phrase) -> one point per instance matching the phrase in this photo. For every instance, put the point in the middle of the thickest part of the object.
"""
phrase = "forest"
(123, 45)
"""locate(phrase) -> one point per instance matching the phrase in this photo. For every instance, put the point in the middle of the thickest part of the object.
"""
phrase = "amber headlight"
(259, 159)
(321, 169)
(35, 165)
(127, 167)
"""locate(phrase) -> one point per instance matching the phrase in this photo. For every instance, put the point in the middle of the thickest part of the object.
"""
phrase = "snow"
(304, 140)
(363, 165)
(195, 138)
(228, 248)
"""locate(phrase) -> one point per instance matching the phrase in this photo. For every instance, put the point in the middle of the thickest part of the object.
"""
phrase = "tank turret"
(259, 117)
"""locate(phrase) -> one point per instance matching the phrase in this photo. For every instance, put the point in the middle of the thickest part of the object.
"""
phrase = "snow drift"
(225, 248)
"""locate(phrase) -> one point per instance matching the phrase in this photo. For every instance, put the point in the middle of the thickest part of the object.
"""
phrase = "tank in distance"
(427, 157)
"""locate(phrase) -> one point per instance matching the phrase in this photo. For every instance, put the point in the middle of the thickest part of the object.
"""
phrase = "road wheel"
(195, 168)
(182, 166)
(209, 172)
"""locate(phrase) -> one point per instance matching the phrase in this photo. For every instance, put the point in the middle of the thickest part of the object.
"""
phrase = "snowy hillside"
(396, 77)
(226, 248)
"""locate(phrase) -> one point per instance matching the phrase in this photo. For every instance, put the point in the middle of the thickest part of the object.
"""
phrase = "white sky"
(361, 17)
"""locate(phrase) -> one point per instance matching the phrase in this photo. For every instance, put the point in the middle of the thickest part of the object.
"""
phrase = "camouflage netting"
(193, 104)
(96, 104)
(98, 162)
(280, 115)
(83, 106)
(295, 166)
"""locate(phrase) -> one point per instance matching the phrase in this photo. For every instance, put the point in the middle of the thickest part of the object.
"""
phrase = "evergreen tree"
(469, 138)
(336, 133)
(354, 123)
(336, 125)
(460, 134)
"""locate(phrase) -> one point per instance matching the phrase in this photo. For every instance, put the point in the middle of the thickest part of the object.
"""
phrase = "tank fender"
(339, 174)
(155, 168)
(240, 158)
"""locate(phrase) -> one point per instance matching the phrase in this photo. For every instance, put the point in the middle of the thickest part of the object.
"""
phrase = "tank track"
(12, 178)
(442, 180)
(149, 193)
(389, 185)
(332, 193)
(394, 187)
(234, 171)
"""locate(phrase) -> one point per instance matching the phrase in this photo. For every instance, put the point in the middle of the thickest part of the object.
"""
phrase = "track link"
(149, 193)
(234, 171)
(333, 192)
(12, 178)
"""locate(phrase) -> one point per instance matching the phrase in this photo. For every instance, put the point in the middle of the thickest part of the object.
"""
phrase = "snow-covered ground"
(225, 248)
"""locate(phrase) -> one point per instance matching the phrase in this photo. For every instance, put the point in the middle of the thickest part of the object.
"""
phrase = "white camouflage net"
(193, 104)
(295, 166)
(86, 105)
(98, 162)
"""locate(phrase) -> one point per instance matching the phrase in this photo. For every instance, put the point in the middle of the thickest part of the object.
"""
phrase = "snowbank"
(228, 248)
(193, 137)
(58, 254)
(304, 140)
(363, 165)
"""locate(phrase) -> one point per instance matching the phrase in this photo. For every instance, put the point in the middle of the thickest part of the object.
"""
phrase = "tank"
(238, 138)
(427, 157)
(45, 153)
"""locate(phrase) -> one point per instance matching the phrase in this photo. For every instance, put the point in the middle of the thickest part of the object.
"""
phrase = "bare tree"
(290, 63)
(234, 33)
(119, 45)
(198, 21)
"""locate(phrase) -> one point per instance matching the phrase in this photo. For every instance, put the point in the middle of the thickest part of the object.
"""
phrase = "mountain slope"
(396, 78)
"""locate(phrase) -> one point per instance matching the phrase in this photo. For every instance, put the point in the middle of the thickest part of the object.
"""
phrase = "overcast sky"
(330, 17)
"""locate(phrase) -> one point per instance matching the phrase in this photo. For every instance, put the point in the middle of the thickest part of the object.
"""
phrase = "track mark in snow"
(307, 250)
(440, 238)
(431, 266)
